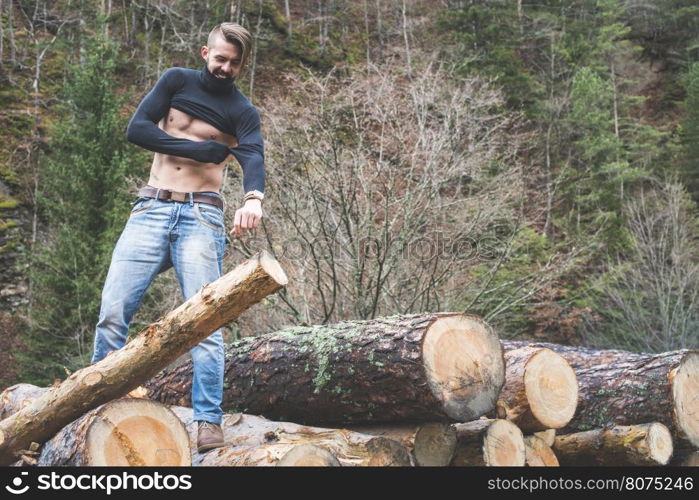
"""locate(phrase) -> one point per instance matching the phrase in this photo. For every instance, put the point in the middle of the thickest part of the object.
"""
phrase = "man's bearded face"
(223, 59)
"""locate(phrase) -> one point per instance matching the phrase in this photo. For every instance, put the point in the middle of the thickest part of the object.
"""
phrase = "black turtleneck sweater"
(219, 103)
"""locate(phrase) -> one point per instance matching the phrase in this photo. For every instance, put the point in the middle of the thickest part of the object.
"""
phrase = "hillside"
(532, 162)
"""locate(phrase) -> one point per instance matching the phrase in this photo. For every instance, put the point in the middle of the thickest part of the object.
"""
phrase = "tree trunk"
(253, 440)
(646, 444)
(215, 305)
(477, 443)
(539, 454)
(125, 432)
(623, 388)
(540, 391)
(423, 367)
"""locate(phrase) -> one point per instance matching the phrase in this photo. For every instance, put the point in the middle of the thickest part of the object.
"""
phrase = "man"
(193, 121)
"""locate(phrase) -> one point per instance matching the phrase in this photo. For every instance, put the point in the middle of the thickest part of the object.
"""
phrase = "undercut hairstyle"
(233, 33)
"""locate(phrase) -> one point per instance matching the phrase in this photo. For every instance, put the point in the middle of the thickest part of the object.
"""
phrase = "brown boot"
(210, 436)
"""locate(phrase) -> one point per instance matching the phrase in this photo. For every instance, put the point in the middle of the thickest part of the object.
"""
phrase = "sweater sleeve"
(143, 128)
(250, 150)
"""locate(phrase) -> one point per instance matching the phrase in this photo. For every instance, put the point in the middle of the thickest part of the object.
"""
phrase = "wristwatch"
(258, 195)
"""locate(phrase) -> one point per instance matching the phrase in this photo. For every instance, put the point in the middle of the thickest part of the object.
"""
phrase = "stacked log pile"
(619, 388)
(431, 389)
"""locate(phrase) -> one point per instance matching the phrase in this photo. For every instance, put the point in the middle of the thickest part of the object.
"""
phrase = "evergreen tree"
(82, 197)
(491, 41)
(690, 132)
(596, 182)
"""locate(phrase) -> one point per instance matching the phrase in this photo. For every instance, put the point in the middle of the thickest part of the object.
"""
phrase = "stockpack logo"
(17, 488)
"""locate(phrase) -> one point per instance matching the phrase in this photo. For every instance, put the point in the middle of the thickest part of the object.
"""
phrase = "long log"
(623, 388)
(540, 391)
(406, 368)
(254, 440)
(483, 442)
(646, 444)
(124, 432)
(215, 305)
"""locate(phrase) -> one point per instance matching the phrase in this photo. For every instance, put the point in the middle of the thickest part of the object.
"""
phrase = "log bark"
(254, 440)
(538, 453)
(540, 391)
(623, 388)
(124, 432)
(18, 396)
(483, 442)
(410, 368)
(215, 305)
(691, 460)
(646, 444)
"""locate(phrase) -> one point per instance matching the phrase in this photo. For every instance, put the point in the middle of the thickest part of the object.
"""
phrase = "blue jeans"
(158, 235)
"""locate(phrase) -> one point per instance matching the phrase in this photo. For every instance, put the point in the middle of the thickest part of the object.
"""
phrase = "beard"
(222, 75)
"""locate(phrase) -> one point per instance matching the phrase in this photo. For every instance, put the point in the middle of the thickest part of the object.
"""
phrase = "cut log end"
(539, 454)
(435, 444)
(552, 389)
(503, 445)
(137, 432)
(272, 268)
(659, 443)
(548, 436)
(307, 455)
(92, 378)
(685, 388)
(387, 452)
(465, 367)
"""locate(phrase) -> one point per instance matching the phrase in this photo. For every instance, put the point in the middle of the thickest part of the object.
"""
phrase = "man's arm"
(143, 128)
(250, 155)
(250, 151)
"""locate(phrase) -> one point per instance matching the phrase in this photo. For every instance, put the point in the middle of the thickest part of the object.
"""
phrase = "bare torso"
(182, 174)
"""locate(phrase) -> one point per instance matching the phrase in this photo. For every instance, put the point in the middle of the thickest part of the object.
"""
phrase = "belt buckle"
(178, 196)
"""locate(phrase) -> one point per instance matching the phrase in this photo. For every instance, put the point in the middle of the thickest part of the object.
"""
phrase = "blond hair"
(233, 33)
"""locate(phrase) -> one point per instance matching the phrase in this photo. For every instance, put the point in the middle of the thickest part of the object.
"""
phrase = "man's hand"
(247, 217)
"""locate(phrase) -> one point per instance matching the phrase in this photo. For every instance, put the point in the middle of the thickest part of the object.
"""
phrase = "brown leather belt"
(167, 195)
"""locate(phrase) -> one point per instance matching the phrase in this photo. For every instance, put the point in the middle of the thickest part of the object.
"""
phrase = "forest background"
(533, 162)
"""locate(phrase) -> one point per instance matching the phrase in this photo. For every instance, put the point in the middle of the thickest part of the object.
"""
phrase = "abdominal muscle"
(183, 174)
